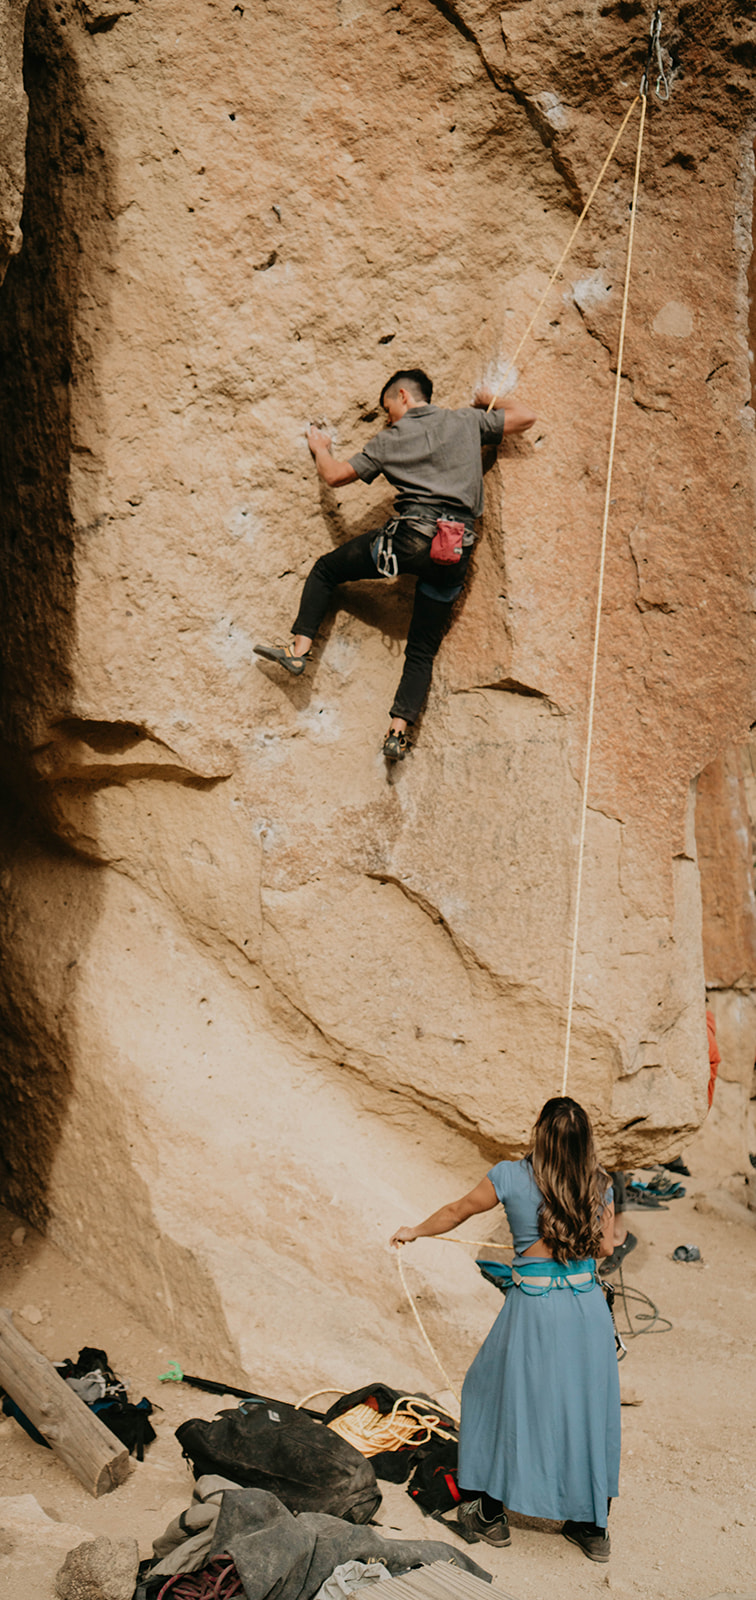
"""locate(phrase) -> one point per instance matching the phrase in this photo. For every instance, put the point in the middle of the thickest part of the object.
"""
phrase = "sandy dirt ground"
(684, 1527)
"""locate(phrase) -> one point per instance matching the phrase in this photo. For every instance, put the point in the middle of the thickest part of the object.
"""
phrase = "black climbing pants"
(437, 588)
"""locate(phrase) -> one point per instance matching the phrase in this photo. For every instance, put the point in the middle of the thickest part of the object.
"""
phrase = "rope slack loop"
(599, 599)
(568, 246)
(315, 1395)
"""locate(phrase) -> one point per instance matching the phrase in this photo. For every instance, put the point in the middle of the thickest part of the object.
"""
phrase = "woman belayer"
(540, 1424)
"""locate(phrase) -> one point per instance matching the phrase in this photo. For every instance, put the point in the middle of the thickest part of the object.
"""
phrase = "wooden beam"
(77, 1436)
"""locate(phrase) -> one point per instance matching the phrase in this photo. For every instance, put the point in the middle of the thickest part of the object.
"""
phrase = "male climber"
(433, 459)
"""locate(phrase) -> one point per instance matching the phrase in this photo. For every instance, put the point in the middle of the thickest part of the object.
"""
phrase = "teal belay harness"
(536, 1277)
(539, 1277)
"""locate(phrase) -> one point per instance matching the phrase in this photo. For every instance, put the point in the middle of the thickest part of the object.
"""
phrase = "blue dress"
(540, 1427)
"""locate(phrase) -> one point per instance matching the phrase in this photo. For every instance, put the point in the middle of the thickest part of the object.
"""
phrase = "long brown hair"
(570, 1179)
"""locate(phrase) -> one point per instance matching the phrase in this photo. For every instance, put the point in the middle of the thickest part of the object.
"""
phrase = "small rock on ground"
(103, 1569)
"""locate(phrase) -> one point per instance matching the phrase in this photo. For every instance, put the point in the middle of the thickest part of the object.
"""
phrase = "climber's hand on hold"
(334, 473)
(517, 417)
(317, 439)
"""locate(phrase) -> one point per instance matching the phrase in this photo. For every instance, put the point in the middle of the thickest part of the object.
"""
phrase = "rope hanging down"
(662, 91)
(599, 597)
(568, 246)
(654, 52)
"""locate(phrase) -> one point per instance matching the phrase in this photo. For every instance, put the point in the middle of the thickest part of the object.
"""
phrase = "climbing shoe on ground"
(660, 1187)
(636, 1201)
(396, 746)
(678, 1166)
(470, 1518)
(284, 655)
(615, 1260)
(594, 1542)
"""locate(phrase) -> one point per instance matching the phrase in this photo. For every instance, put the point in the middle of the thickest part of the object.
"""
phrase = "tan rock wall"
(12, 128)
(725, 853)
(725, 819)
(285, 998)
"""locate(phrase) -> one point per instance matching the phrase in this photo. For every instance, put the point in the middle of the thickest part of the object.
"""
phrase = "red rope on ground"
(219, 1580)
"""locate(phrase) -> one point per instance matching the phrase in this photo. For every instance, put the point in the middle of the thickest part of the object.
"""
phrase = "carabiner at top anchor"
(655, 53)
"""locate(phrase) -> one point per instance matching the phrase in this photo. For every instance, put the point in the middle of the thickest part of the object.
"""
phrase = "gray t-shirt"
(433, 454)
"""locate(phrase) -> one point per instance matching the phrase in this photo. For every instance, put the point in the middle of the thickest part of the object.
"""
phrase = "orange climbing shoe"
(284, 655)
(396, 746)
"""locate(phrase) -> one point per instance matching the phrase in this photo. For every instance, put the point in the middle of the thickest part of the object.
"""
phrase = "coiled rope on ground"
(411, 1421)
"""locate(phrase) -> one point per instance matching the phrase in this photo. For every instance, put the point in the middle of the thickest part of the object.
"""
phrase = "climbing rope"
(650, 1314)
(218, 1580)
(568, 247)
(599, 598)
(662, 91)
(419, 1321)
(411, 1421)
(443, 1238)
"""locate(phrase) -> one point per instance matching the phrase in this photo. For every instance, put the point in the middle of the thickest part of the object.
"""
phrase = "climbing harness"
(539, 1277)
(542, 1276)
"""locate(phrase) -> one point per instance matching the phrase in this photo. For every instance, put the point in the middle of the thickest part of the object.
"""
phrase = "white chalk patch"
(231, 643)
(269, 747)
(592, 291)
(342, 655)
(554, 110)
(321, 722)
(500, 376)
(452, 908)
(245, 524)
(674, 321)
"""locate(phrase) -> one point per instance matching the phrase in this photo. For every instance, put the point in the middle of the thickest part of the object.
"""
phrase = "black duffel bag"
(272, 1445)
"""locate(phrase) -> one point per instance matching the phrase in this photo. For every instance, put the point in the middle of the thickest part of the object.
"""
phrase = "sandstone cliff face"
(263, 1001)
(725, 824)
(12, 128)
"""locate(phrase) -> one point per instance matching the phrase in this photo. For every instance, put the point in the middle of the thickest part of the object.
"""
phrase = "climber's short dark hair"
(412, 378)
